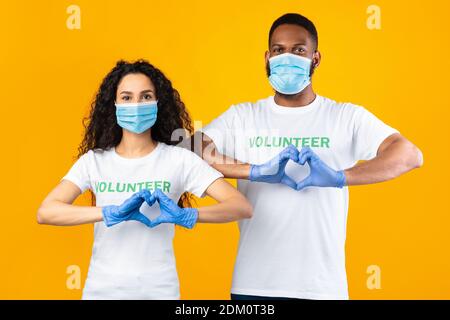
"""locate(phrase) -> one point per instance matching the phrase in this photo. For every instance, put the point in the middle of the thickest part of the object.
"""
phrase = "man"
(294, 154)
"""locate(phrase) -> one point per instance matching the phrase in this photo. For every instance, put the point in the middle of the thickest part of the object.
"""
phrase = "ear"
(317, 57)
(266, 56)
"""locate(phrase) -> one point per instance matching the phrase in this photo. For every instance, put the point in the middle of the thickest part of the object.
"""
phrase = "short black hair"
(299, 20)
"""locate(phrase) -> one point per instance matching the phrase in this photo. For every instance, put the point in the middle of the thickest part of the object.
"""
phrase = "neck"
(300, 99)
(133, 145)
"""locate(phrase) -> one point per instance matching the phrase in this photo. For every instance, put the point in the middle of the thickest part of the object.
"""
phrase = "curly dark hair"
(101, 128)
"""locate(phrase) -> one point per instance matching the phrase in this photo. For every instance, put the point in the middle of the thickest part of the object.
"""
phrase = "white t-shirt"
(294, 246)
(130, 260)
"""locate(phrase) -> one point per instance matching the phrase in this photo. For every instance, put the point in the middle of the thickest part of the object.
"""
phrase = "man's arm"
(272, 171)
(395, 156)
(229, 167)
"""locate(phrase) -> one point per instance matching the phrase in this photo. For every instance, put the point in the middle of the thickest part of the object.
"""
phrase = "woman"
(129, 162)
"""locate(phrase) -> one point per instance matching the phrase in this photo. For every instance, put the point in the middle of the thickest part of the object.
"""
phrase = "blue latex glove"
(320, 174)
(273, 171)
(128, 210)
(170, 211)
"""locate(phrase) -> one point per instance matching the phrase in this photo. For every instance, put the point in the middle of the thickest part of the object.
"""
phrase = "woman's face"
(134, 88)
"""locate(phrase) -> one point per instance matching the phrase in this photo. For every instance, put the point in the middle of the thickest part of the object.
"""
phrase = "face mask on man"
(289, 73)
(137, 117)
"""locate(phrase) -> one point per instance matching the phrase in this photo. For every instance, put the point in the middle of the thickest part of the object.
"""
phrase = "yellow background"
(213, 51)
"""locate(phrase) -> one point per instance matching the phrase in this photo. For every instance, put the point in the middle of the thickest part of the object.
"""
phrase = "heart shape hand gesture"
(273, 171)
(170, 211)
(130, 210)
(321, 175)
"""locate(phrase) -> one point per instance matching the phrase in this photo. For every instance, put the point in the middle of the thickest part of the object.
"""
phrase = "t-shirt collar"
(137, 160)
(293, 110)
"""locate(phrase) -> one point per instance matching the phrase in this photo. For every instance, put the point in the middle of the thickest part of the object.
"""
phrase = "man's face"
(291, 38)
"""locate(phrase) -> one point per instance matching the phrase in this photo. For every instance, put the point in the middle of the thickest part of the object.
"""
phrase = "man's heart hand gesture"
(273, 171)
(321, 175)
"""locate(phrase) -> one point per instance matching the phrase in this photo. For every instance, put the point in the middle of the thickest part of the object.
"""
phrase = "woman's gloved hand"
(170, 211)
(273, 171)
(128, 210)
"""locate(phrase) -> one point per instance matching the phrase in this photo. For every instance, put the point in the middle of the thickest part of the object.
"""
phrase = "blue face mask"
(289, 73)
(136, 117)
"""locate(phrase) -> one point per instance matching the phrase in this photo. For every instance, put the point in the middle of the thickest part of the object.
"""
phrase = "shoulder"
(249, 107)
(341, 108)
(178, 153)
(96, 154)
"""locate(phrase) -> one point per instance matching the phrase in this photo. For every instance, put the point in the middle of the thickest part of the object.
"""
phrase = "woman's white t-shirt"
(130, 260)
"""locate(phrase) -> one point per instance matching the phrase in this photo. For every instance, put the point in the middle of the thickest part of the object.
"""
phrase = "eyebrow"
(295, 44)
(129, 92)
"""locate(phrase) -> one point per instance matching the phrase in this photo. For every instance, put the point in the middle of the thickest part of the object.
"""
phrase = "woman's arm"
(232, 204)
(57, 208)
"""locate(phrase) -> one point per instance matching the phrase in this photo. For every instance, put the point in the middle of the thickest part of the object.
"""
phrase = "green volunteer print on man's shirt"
(276, 142)
(109, 187)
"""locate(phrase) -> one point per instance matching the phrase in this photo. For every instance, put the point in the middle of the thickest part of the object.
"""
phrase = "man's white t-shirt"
(130, 260)
(294, 246)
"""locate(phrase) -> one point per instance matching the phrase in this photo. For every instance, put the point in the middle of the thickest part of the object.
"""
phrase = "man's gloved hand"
(170, 211)
(273, 171)
(320, 175)
(128, 210)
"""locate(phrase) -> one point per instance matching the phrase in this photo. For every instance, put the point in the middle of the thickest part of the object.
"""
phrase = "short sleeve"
(79, 174)
(368, 134)
(197, 175)
(221, 131)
